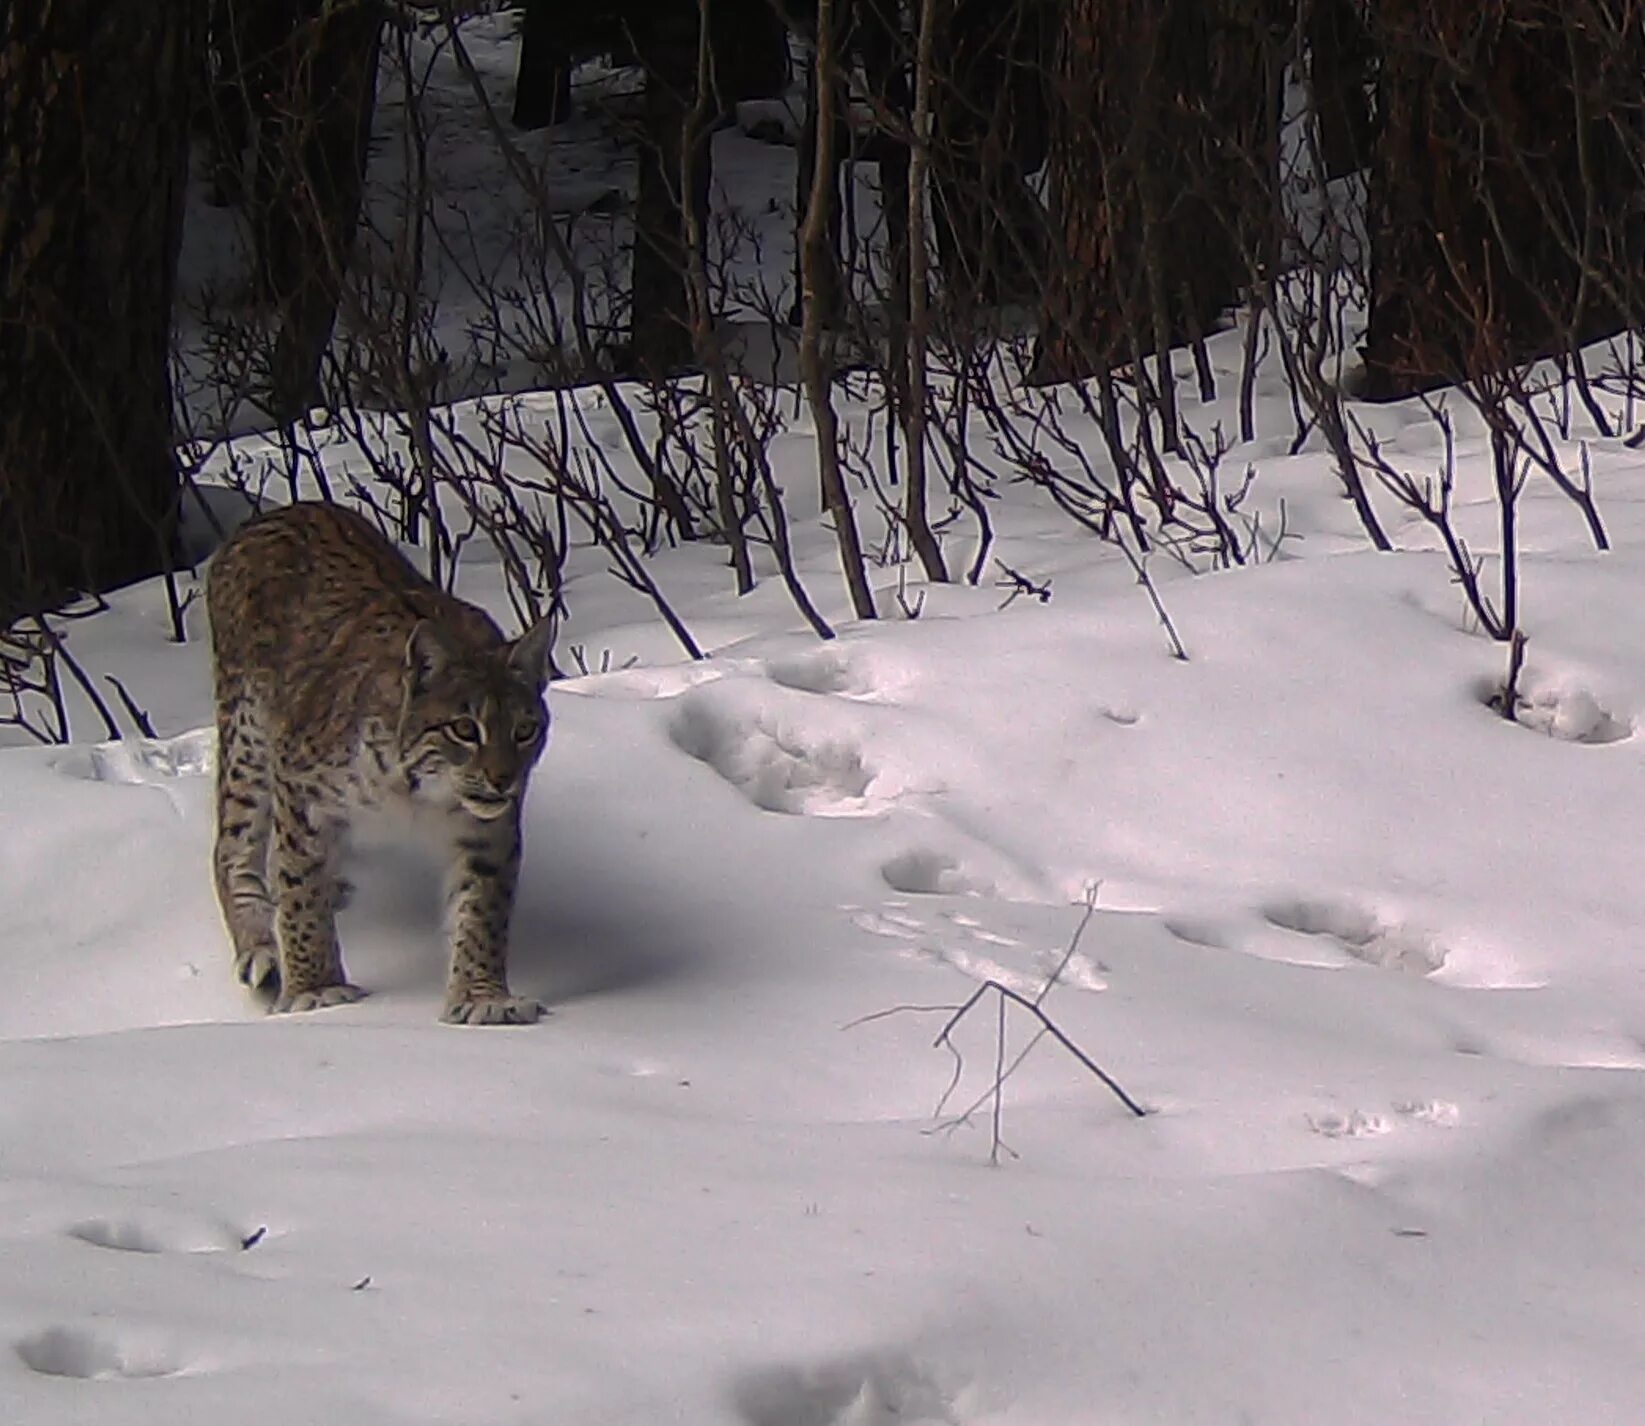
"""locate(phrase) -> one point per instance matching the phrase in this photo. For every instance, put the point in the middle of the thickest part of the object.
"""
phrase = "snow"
(1367, 954)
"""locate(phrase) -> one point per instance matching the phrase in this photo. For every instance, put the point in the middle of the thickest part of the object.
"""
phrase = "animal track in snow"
(936, 944)
(100, 1352)
(977, 931)
(889, 925)
(1572, 715)
(1439, 1113)
(155, 761)
(1350, 1124)
(1077, 971)
(1372, 1124)
(159, 763)
(983, 968)
(777, 764)
(1199, 931)
(831, 670)
(1360, 933)
(156, 1232)
(878, 1390)
(924, 871)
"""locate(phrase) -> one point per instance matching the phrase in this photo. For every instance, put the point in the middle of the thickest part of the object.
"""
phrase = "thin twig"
(1051, 1028)
(138, 716)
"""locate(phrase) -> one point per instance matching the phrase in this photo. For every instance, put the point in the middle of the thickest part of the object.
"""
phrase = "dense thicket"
(1459, 186)
(1506, 219)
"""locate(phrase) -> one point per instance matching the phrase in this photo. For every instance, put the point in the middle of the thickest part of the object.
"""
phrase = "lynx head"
(472, 720)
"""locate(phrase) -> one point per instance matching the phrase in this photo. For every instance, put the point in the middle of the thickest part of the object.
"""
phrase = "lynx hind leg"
(240, 857)
(307, 842)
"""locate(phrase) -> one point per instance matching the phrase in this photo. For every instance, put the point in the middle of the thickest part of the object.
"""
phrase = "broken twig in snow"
(993, 1096)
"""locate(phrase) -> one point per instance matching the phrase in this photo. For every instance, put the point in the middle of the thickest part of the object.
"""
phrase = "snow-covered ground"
(1368, 955)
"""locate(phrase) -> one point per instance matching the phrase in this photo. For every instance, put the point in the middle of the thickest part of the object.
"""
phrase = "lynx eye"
(464, 730)
(526, 730)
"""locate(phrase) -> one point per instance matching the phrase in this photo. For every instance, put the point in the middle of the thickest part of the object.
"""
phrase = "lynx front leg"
(480, 902)
(306, 844)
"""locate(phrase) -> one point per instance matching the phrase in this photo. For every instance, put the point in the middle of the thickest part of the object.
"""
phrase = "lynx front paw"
(320, 999)
(256, 968)
(493, 1010)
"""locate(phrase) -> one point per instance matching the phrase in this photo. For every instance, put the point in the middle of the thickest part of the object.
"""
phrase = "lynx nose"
(496, 782)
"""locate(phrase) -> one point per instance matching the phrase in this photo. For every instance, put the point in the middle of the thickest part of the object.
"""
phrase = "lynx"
(346, 680)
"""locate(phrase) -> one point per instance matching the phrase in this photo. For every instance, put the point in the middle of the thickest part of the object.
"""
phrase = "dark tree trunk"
(660, 320)
(1149, 252)
(747, 45)
(1249, 44)
(886, 70)
(828, 280)
(314, 128)
(542, 81)
(94, 102)
(750, 52)
(236, 57)
(250, 44)
(990, 133)
(1075, 340)
(1339, 64)
(1506, 189)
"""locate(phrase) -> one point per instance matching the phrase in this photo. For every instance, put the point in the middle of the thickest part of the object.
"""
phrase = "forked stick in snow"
(994, 1095)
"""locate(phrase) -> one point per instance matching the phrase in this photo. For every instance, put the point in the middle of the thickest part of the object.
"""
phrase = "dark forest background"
(1393, 196)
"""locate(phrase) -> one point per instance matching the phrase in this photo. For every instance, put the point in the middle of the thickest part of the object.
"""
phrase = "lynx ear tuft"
(528, 655)
(426, 654)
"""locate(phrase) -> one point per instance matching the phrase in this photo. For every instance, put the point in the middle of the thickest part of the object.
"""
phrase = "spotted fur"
(344, 680)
